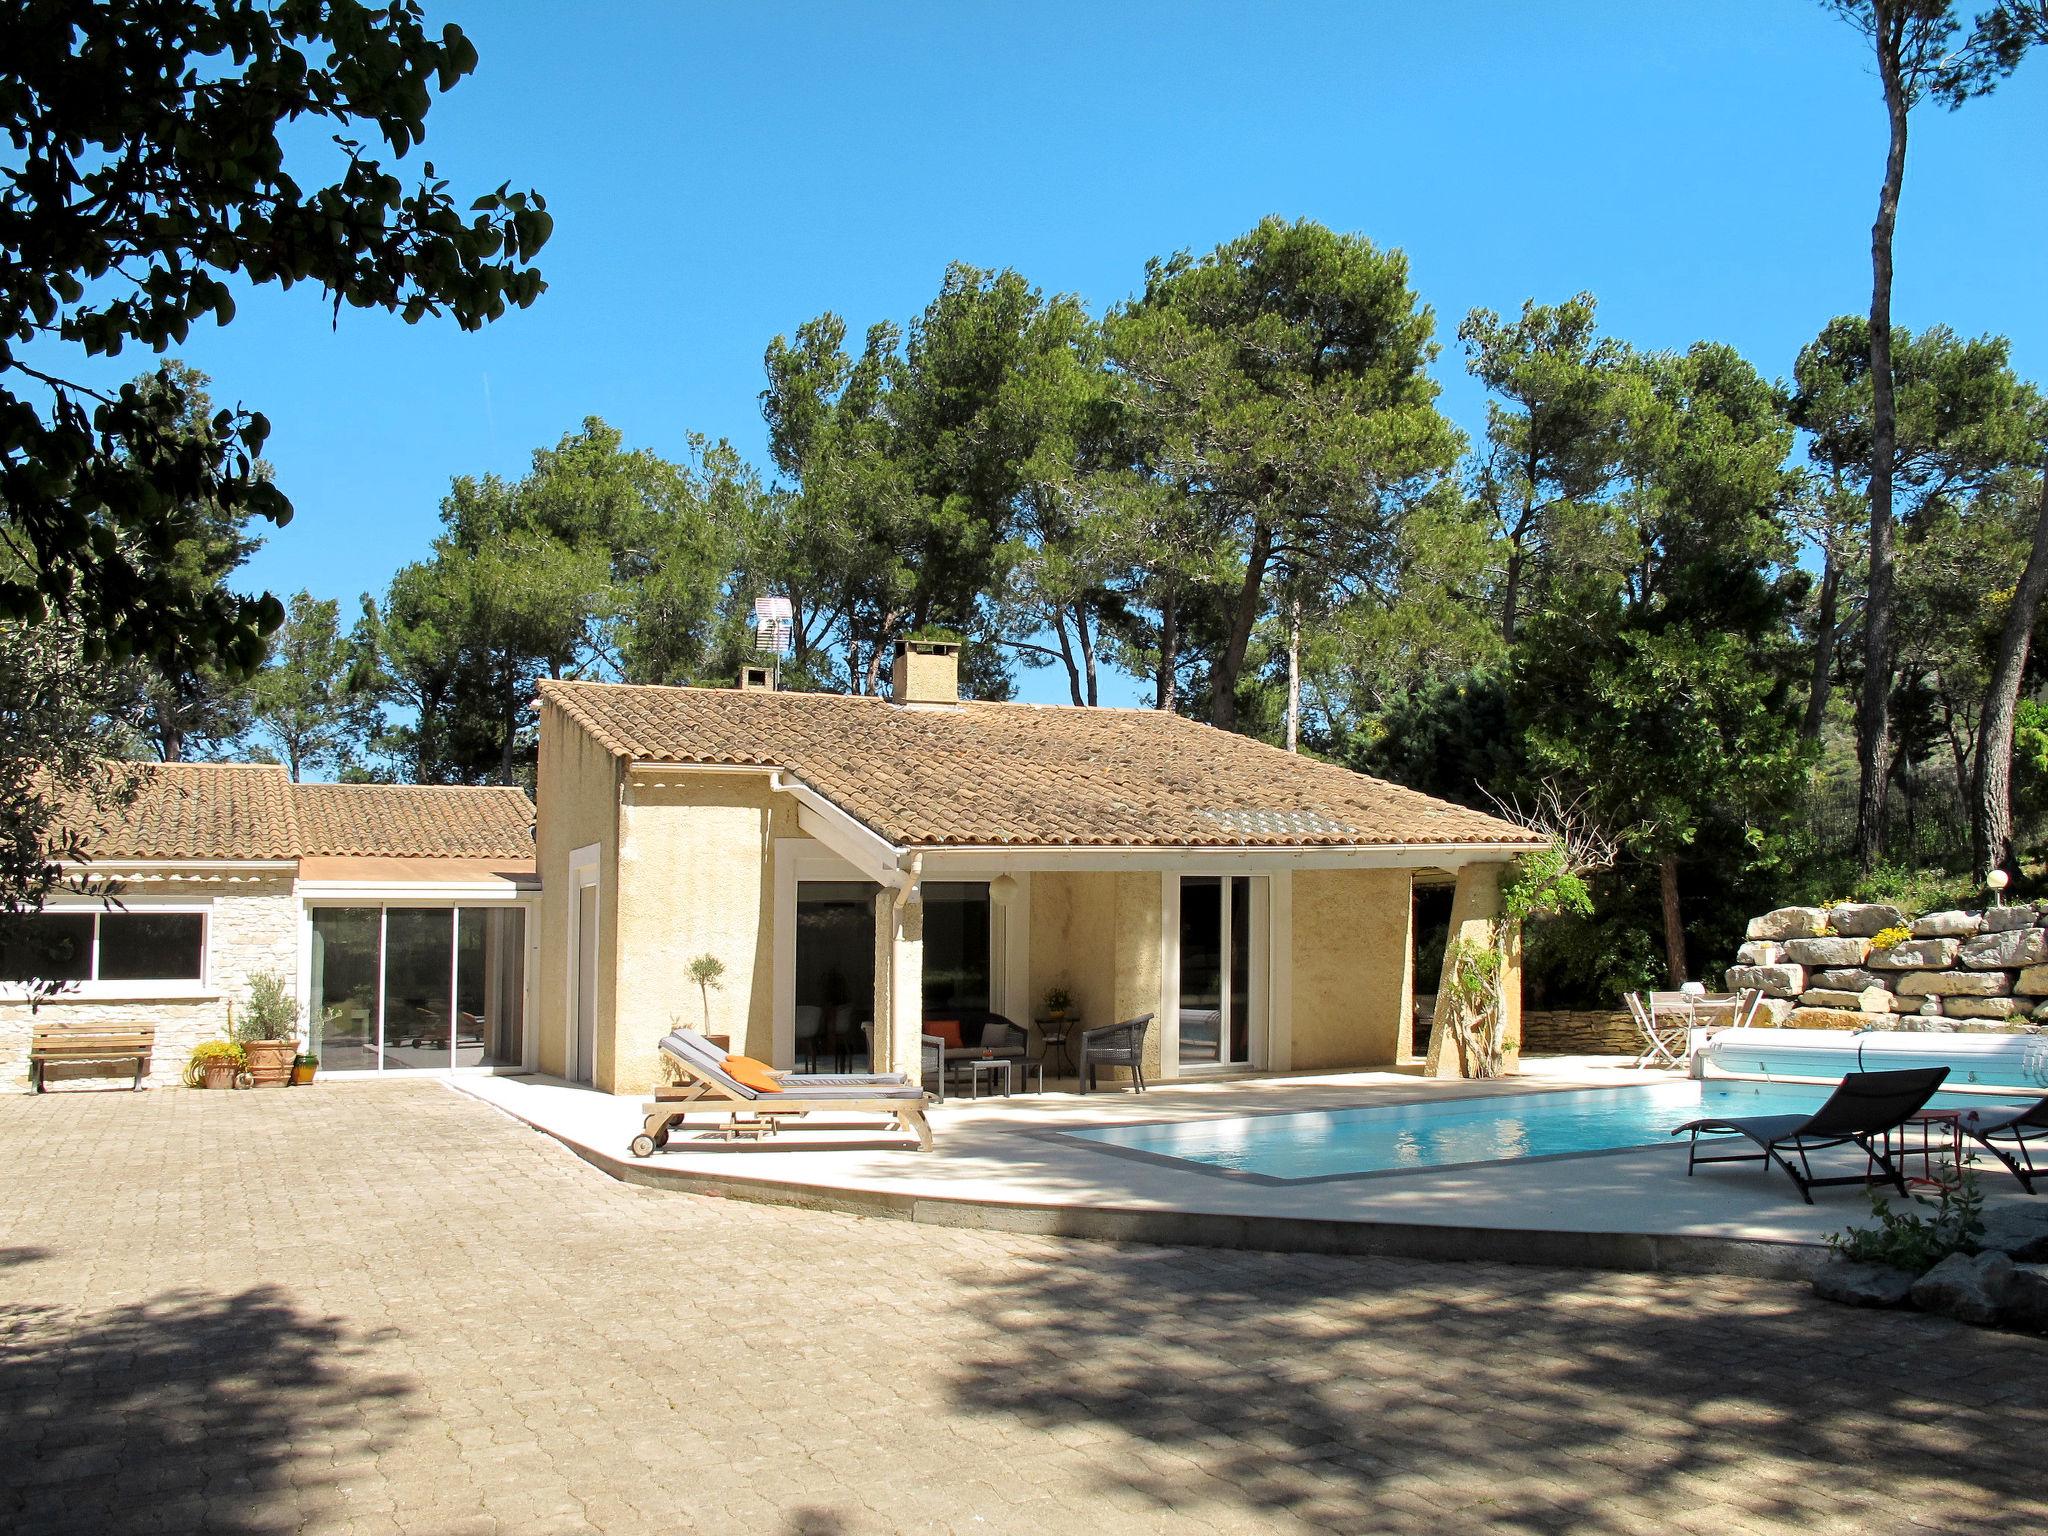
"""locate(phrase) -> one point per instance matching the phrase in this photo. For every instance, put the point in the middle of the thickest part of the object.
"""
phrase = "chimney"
(926, 672)
(755, 679)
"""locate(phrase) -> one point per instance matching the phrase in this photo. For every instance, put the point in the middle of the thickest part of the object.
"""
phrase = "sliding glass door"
(1223, 927)
(398, 989)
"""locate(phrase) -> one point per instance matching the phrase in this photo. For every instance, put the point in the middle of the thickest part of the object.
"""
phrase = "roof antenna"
(773, 631)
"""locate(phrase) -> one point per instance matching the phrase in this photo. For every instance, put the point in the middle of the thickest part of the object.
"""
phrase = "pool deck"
(1003, 1164)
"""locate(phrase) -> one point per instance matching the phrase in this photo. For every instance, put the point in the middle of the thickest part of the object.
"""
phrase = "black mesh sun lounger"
(1994, 1128)
(1861, 1112)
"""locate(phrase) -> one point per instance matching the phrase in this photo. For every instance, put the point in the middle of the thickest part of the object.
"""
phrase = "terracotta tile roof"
(1024, 774)
(414, 821)
(204, 811)
(196, 811)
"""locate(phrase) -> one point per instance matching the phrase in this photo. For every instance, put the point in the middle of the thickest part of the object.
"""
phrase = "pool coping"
(1652, 1252)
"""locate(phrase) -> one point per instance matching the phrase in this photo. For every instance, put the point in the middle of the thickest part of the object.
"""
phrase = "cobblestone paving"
(385, 1308)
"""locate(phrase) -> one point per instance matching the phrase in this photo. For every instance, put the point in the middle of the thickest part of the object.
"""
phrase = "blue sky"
(719, 173)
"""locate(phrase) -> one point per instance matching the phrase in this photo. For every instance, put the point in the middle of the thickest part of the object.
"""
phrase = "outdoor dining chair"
(1663, 1034)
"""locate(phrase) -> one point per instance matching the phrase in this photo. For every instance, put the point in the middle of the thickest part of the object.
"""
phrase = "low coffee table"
(981, 1069)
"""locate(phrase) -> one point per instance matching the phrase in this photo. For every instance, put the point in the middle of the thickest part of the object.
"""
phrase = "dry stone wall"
(1871, 966)
(1579, 1032)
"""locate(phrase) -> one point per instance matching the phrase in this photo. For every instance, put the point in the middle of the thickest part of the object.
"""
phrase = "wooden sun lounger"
(750, 1115)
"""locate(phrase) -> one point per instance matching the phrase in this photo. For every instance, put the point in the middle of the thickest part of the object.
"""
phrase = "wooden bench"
(64, 1045)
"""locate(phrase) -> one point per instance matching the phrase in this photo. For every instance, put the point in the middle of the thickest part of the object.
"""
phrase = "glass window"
(344, 990)
(956, 959)
(152, 946)
(47, 946)
(835, 972)
(490, 986)
(418, 983)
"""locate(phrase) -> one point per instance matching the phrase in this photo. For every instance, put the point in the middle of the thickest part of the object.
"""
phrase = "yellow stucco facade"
(1353, 955)
(686, 865)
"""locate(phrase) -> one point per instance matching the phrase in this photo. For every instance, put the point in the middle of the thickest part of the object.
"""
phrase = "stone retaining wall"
(1579, 1032)
(1870, 966)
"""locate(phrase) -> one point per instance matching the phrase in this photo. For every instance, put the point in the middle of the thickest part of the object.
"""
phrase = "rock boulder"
(1969, 1287)
(1853, 980)
(2005, 919)
(1863, 1285)
(2020, 1232)
(1979, 1007)
(1955, 984)
(1862, 919)
(1948, 925)
(1826, 952)
(1867, 1000)
(1788, 923)
(1835, 1018)
(1771, 980)
(1917, 954)
(2011, 949)
(1760, 952)
(2026, 1299)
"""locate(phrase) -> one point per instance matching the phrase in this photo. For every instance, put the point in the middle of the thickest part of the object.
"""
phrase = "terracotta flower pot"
(218, 1074)
(270, 1061)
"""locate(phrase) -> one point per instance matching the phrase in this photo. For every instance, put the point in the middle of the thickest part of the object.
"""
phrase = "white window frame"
(135, 990)
(1270, 908)
(382, 899)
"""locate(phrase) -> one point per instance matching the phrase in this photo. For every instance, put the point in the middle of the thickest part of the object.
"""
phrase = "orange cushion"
(757, 1075)
(947, 1030)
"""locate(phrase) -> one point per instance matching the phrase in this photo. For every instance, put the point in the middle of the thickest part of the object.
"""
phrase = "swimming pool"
(1445, 1133)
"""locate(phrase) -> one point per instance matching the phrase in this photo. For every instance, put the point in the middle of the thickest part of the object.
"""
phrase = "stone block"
(1868, 1000)
(1788, 923)
(1949, 925)
(1771, 980)
(1955, 984)
(1863, 1285)
(1917, 954)
(1979, 1007)
(2013, 948)
(2026, 1299)
(1969, 1287)
(1826, 952)
(1853, 980)
(1760, 952)
(2033, 981)
(2005, 919)
(1860, 919)
(1772, 1012)
(1836, 1018)
(2018, 1231)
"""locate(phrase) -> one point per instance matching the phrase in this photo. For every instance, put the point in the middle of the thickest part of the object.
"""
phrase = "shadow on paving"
(194, 1409)
(1413, 1396)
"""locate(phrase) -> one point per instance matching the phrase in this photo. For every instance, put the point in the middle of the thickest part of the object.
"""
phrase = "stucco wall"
(696, 876)
(576, 794)
(1353, 967)
(252, 926)
(1098, 935)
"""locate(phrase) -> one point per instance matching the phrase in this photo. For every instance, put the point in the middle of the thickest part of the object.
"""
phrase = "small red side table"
(1950, 1123)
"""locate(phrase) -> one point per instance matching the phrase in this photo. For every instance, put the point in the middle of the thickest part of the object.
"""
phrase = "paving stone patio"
(388, 1308)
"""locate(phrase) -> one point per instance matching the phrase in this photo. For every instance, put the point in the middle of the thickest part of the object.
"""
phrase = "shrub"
(1906, 1239)
(271, 1013)
(213, 1050)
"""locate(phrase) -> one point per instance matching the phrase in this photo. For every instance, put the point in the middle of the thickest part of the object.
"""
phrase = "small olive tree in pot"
(269, 1030)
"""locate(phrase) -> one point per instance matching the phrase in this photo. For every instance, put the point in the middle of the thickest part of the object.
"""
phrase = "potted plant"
(708, 971)
(269, 1031)
(214, 1064)
(303, 1068)
(1058, 1000)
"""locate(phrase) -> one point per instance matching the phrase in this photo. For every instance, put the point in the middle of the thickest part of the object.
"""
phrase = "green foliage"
(314, 704)
(1544, 884)
(270, 1012)
(1058, 1000)
(707, 971)
(1909, 1240)
(150, 166)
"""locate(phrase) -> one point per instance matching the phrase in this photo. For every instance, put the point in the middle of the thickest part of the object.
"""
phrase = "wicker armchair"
(1115, 1045)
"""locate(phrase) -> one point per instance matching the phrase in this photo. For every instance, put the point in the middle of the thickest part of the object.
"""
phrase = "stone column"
(1475, 906)
(899, 983)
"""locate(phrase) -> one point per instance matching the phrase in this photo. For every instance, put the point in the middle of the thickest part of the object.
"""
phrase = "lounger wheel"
(645, 1145)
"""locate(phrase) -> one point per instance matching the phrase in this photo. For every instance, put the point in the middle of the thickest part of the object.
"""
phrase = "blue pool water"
(1382, 1138)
